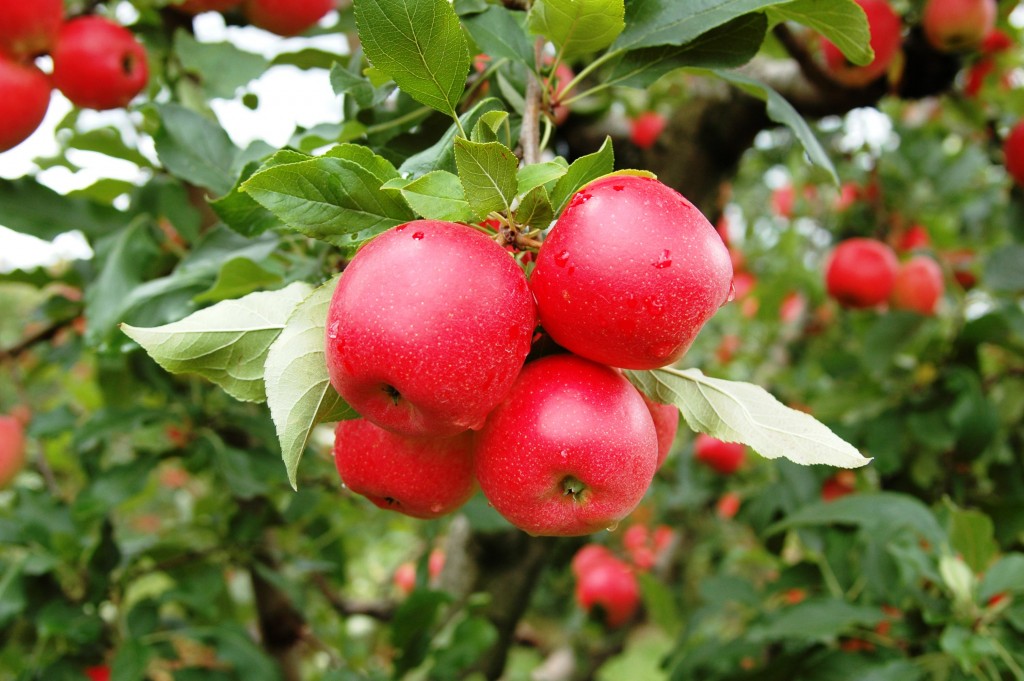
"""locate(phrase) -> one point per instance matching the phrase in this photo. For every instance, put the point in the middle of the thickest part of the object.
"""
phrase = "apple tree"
(584, 339)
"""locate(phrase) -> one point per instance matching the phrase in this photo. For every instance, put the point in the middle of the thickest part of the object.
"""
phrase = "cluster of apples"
(97, 64)
(865, 273)
(428, 338)
(283, 17)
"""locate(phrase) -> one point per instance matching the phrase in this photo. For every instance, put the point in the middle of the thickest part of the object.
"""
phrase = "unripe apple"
(609, 591)
(958, 25)
(646, 128)
(570, 451)
(424, 477)
(885, 26)
(666, 424)
(200, 6)
(630, 273)
(12, 449)
(588, 556)
(98, 64)
(861, 272)
(428, 328)
(26, 97)
(29, 27)
(723, 457)
(919, 286)
(287, 17)
(1013, 152)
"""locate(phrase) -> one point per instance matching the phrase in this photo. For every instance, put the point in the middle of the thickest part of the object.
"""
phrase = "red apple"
(562, 77)
(958, 25)
(98, 673)
(1013, 152)
(723, 457)
(919, 286)
(29, 27)
(646, 128)
(435, 564)
(728, 505)
(12, 449)
(847, 196)
(609, 591)
(727, 348)
(962, 262)
(200, 6)
(666, 424)
(792, 307)
(916, 237)
(428, 328)
(98, 64)
(588, 556)
(287, 17)
(570, 451)
(782, 201)
(26, 97)
(861, 272)
(839, 485)
(885, 26)
(424, 477)
(405, 577)
(630, 273)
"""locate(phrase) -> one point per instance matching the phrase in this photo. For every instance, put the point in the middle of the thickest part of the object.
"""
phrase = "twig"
(383, 611)
(529, 135)
(810, 67)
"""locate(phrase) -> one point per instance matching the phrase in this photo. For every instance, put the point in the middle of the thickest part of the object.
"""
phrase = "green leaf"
(743, 412)
(669, 22)
(238, 277)
(539, 173)
(500, 33)
(195, 149)
(110, 142)
(583, 170)
(420, 45)
(435, 196)
(222, 68)
(535, 209)
(299, 390)
(660, 602)
(488, 175)
(241, 212)
(332, 199)
(972, 536)
(578, 27)
(1002, 270)
(1006, 574)
(727, 46)
(381, 168)
(781, 111)
(489, 126)
(354, 86)
(130, 662)
(441, 154)
(815, 620)
(29, 207)
(226, 343)
(841, 21)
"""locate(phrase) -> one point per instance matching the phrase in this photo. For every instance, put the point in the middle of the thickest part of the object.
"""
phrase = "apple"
(98, 673)
(666, 424)
(630, 273)
(919, 286)
(29, 27)
(428, 328)
(847, 196)
(885, 26)
(609, 591)
(98, 64)
(727, 348)
(958, 25)
(916, 237)
(644, 547)
(405, 577)
(792, 307)
(26, 98)
(782, 201)
(588, 556)
(861, 272)
(425, 477)
(200, 6)
(723, 457)
(287, 17)
(962, 262)
(728, 505)
(646, 128)
(12, 449)
(1013, 152)
(839, 485)
(571, 450)
(562, 77)
(435, 564)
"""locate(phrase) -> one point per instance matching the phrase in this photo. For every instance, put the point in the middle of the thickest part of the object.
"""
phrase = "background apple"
(885, 26)
(666, 424)
(588, 556)
(12, 449)
(29, 27)
(646, 128)
(98, 64)
(861, 272)
(287, 17)
(608, 590)
(26, 98)
(919, 286)
(723, 457)
(958, 25)
(1013, 153)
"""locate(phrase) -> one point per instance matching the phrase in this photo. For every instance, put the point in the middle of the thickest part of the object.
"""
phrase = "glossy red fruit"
(26, 97)
(420, 477)
(428, 328)
(98, 673)
(287, 17)
(588, 556)
(958, 25)
(200, 6)
(1013, 153)
(885, 26)
(12, 449)
(919, 286)
(570, 451)
(666, 425)
(98, 64)
(29, 27)
(723, 457)
(609, 591)
(861, 272)
(646, 128)
(728, 505)
(630, 273)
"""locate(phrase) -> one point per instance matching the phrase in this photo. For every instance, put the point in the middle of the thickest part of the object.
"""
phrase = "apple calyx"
(574, 487)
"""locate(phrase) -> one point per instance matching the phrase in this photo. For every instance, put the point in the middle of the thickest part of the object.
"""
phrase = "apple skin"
(861, 272)
(609, 589)
(98, 64)
(12, 449)
(722, 457)
(919, 286)
(420, 477)
(630, 273)
(588, 556)
(200, 6)
(563, 76)
(287, 17)
(646, 128)
(26, 98)
(29, 27)
(428, 328)
(958, 25)
(570, 451)
(1013, 152)
(885, 26)
(666, 425)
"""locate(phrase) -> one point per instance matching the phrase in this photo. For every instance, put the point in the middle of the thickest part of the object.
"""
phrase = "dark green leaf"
(195, 148)
(668, 22)
(500, 33)
(488, 175)
(583, 170)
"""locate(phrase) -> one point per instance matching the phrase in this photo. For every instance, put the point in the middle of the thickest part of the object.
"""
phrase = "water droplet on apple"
(564, 454)
(614, 526)
(418, 236)
(436, 508)
(656, 305)
(332, 332)
(561, 258)
(732, 293)
(400, 228)
(664, 260)
(618, 187)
